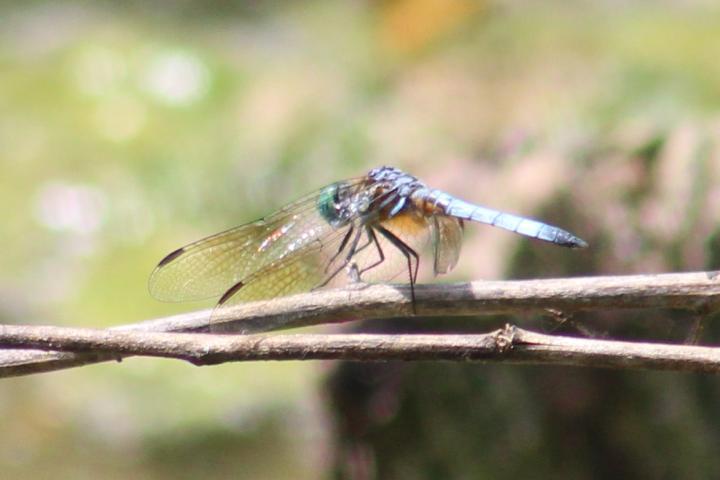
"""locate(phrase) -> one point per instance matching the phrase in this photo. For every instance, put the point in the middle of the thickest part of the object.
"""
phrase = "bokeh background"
(129, 130)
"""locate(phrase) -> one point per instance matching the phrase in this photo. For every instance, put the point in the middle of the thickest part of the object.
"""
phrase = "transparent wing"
(322, 264)
(209, 267)
(294, 273)
(446, 242)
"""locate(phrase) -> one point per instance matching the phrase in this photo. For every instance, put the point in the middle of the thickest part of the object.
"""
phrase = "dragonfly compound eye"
(333, 204)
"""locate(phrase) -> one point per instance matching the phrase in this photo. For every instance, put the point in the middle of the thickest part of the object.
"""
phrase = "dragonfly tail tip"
(580, 243)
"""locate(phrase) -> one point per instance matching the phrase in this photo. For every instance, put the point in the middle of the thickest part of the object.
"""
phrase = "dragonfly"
(370, 228)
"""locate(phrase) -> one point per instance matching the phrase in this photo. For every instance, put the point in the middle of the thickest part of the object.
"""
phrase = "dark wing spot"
(171, 256)
(233, 290)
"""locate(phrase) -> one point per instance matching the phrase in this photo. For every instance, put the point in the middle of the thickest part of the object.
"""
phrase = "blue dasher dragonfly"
(372, 228)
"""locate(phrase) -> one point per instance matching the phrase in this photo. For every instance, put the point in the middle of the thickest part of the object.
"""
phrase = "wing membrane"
(209, 267)
(447, 242)
(315, 265)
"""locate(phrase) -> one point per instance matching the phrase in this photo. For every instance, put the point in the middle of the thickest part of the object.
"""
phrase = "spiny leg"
(342, 246)
(351, 252)
(363, 246)
(406, 250)
(372, 238)
(385, 199)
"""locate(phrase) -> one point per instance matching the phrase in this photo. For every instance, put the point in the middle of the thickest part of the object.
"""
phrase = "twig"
(510, 345)
(698, 291)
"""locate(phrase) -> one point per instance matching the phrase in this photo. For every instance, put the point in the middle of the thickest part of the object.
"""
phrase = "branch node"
(505, 338)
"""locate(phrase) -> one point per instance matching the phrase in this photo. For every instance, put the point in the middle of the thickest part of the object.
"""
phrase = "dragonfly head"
(331, 204)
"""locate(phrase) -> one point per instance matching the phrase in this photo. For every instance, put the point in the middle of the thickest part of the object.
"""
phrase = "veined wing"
(300, 272)
(447, 236)
(322, 263)
(209, 267)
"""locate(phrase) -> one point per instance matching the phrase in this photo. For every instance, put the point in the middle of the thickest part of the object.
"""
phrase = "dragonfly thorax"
(339, 203)
(383, 194)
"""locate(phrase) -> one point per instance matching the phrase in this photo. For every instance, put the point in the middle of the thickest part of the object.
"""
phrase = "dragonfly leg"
(363, 246)
(342, 246)
(356, 274)
(351, 251)
(372, 238)
(406, 250)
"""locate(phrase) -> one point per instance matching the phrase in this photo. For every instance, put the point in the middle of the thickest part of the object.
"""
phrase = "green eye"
(327, 201)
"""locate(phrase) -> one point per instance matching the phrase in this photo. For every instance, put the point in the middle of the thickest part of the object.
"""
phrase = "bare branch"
(698, 291)
(510, 345)
(692, 291)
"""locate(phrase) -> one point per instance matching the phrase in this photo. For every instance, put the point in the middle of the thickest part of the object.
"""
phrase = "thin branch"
(510, 345)
(698, 292)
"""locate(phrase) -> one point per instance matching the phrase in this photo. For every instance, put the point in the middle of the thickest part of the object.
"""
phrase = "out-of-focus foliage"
(126, 131)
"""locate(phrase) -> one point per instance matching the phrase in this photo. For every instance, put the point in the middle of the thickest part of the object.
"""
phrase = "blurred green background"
(127, 131)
